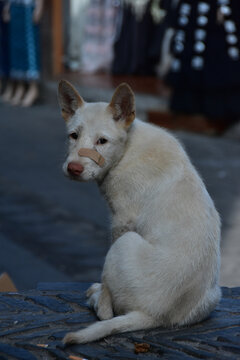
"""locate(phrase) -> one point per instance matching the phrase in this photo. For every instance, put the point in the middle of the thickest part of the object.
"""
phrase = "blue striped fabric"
(24, 41)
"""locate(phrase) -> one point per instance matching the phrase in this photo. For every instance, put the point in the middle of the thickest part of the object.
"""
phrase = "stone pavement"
(53, 229)
(46, 232)
(33, 323)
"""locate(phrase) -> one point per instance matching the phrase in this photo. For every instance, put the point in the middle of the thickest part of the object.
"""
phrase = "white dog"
(162, 268)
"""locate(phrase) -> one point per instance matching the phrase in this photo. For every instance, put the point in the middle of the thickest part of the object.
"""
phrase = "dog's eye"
(101, 141)
(73, 136)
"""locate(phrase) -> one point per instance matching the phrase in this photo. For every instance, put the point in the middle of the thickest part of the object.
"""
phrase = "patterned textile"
(4, 58)
(24, 41)
(99, 33)
(205, 70)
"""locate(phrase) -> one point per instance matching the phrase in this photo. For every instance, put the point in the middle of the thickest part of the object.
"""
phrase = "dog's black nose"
(75, 169)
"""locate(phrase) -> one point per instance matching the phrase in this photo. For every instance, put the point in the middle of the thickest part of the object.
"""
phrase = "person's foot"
(8, 93)
(31, 95)
(18, 95)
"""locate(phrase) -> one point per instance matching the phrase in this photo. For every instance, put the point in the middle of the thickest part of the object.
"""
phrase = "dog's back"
(160, 196)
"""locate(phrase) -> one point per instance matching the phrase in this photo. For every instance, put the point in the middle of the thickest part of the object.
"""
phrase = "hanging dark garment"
(137, 46)
(205, 70)
(4, 43)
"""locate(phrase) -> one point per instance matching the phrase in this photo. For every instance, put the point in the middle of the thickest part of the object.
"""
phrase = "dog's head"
(97, 132)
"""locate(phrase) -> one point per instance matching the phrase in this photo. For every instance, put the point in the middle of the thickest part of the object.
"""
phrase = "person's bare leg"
(31, 94)
(18, 94)
(8, 91)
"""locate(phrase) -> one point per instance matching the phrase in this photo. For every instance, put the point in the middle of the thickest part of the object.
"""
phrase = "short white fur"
(162, 268)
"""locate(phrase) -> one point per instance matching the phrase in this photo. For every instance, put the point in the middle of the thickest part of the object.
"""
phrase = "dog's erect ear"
(122, 105)
(69, 99)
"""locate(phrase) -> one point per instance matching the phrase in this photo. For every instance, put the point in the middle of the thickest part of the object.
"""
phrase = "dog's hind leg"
(100, 299)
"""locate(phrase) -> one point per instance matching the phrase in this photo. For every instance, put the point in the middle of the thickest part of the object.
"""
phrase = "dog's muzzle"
(93, 155)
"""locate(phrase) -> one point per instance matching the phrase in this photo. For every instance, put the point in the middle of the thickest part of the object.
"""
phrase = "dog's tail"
(132, 321)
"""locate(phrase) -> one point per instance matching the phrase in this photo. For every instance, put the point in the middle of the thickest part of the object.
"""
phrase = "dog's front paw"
(96, 287)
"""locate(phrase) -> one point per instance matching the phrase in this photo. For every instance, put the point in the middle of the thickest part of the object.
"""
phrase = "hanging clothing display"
(205, 68)
(78, 11)
(4, 58)
(138, 41)
(98, 35)
(23, 41)
(108, 35)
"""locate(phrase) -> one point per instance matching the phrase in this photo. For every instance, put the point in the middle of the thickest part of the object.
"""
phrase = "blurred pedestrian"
(24, 43)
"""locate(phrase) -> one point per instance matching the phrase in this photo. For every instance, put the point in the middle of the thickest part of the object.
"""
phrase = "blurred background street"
(181, 58)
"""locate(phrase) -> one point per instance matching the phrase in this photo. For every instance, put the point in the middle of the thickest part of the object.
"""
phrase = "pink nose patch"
(75, 168)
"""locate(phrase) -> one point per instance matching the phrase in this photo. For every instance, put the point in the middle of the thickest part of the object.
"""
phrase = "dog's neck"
(103, 181)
